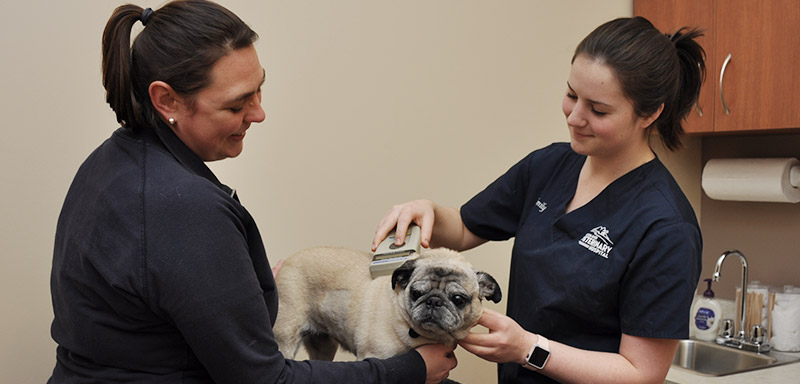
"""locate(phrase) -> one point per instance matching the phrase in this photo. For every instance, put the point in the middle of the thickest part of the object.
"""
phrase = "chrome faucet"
(741, 341)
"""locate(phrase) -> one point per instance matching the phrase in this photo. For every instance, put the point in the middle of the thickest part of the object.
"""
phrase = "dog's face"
(441, 294)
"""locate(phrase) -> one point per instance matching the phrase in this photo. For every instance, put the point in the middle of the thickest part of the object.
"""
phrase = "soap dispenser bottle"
(706, 313)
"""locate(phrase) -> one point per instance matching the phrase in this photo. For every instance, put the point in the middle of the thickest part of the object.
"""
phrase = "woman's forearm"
(449, 231)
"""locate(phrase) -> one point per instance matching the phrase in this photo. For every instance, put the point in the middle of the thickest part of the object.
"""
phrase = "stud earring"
(171, 121)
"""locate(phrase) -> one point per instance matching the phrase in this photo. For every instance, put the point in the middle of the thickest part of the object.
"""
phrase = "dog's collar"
(413, 333)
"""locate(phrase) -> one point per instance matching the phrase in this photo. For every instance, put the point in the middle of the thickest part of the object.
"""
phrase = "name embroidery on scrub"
(597, 241)
(541, 205)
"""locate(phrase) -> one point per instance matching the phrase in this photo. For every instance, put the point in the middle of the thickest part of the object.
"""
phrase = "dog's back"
(316, 287)
(325, 267)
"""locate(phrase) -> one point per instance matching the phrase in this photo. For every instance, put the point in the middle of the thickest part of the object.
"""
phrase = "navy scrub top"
(626, 262)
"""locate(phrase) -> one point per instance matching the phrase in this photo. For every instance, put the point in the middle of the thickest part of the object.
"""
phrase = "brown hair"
(652, 68)
(179, 45)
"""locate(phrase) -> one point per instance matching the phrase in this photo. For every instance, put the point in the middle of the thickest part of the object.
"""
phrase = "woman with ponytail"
(159, 273)
(607, 249)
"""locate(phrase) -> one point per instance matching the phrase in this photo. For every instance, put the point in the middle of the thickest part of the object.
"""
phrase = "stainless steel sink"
(710, 359)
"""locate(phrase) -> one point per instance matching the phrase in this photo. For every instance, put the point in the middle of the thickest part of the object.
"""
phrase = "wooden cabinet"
(752, 60)
(668, 16)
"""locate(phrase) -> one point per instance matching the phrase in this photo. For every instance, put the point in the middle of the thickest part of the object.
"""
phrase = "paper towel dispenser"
(757, 179)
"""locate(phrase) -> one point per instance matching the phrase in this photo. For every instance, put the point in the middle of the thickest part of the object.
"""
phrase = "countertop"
(788, 373)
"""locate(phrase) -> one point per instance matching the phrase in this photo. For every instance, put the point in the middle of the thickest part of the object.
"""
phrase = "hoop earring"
(171, 121)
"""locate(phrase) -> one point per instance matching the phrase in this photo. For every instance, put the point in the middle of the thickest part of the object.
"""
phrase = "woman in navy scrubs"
(607, 250)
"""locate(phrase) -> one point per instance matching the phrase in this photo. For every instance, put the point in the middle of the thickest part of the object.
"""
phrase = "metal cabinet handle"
(697, 103)
(721, 92)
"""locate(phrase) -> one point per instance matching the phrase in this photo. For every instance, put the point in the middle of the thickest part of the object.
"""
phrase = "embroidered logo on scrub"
(597, 241)
(542, 206)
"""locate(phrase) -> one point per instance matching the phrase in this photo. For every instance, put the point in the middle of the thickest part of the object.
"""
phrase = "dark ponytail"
(692, 74)
(179, 45)
(652, 69)
(117, 62)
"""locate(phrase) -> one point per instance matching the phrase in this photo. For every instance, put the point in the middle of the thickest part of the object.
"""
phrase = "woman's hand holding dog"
(439, 361)
(506, 341)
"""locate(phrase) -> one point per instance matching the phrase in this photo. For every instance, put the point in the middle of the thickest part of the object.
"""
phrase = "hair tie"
(146, 15)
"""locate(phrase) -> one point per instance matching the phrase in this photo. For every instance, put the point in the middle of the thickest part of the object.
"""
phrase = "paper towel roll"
(766, 179)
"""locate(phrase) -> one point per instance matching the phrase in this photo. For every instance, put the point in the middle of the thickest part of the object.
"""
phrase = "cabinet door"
(761, 83)
(668, 17)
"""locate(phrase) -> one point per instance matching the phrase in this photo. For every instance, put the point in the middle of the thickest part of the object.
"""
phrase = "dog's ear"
(490, 290)
(402, 274)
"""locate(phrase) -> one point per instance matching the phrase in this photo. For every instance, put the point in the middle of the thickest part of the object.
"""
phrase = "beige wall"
(368, 103)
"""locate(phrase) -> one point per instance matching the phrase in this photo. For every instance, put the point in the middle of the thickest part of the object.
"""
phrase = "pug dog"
(327, 298)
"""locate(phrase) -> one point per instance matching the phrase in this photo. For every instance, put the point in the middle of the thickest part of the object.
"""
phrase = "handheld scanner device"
(388, 256)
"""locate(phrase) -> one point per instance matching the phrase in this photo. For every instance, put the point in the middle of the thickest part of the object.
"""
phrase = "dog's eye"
(459, 301)
(415, 295)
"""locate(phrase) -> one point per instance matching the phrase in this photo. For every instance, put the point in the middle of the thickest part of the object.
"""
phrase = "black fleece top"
(160, 276)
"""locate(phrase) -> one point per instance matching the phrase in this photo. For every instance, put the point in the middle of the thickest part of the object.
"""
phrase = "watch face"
(538, 357)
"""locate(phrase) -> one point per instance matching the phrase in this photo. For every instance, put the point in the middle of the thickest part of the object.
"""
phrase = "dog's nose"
(434, 301)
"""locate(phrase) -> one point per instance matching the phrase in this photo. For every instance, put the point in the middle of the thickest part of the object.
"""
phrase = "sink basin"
(710, 359)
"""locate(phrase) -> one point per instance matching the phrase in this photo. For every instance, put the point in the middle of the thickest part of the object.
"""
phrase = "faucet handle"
(758, 334)
(727, 330)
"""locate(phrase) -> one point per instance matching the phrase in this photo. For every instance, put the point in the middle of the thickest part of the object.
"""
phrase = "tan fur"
(328, 298)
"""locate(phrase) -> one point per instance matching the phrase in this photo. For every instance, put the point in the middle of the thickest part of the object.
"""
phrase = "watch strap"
(543, 342)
